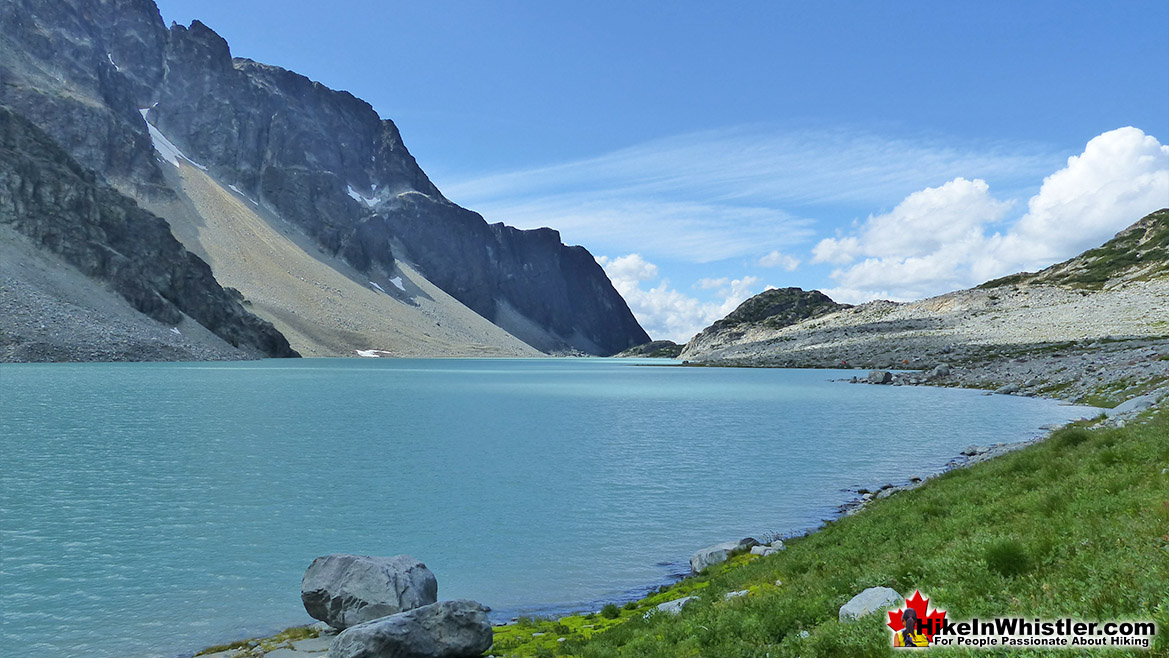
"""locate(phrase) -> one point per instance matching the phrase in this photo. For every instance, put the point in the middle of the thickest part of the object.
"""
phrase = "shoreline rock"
(447, 629)
(345, 590)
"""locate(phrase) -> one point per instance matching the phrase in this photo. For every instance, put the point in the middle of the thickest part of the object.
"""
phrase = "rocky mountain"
(769, 310)
(62, 208)
(1118, 291)
(110, 82)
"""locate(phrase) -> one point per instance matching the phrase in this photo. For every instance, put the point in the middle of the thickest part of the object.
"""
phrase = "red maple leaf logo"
(929, 624)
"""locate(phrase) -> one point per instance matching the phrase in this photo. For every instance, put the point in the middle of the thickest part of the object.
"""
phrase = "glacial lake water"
(149, 510)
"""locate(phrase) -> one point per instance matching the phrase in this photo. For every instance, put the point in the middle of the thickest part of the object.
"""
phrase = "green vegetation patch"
(260, 646)
(1076, 526)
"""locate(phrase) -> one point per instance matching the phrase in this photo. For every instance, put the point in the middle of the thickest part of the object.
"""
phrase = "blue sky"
(703, 152)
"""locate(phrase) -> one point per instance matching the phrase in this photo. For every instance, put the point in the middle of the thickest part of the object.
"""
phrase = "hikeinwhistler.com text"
(1019, 632)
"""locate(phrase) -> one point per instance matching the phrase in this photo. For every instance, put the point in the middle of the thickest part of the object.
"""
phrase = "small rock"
(869, 601)
(719, 553)
(1008, 389)
(734, 595)
(763, 550)
(672, 607)
(778, 545)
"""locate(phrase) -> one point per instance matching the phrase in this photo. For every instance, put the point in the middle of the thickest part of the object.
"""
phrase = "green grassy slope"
(1141, 250)
(1077, 526)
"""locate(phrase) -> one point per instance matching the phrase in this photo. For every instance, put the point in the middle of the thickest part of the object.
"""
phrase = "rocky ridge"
(65, 210)
(84, 71)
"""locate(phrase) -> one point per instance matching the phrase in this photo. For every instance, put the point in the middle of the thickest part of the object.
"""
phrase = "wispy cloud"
(721, 194)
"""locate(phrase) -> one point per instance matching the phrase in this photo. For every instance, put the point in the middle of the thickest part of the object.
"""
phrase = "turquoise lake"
(149, 510)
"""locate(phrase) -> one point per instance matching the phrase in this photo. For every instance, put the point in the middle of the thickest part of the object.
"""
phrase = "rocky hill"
(656, 349)
(117, 88)
(1116, 292)
(768, 311)
(58, 206)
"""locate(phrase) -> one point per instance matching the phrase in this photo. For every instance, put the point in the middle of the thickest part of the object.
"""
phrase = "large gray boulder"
(869, 601)
(345, 590)
(1135, 405)
(449, 629)
(879, 377)
(719, 553)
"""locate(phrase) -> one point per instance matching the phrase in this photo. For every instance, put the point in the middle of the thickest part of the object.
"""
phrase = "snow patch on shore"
(397, 281)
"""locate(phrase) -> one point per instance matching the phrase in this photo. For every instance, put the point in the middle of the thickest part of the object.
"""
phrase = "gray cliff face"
(61, 206)
(79, 70)
(322, 159)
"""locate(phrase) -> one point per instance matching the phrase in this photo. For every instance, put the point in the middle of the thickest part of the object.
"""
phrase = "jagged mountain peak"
(321, 159)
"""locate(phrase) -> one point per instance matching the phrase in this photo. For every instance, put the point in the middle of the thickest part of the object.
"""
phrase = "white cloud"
(779, 259)
(665, 312)
(630, 269)
(936, 239)
(721, 194)
(1121, 176)
(838, 251)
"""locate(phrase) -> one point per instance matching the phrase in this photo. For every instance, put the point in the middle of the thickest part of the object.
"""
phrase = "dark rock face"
(561, 289)
(46, 195)
(447, 629)
(78, 69)
(346, 590)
